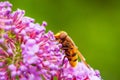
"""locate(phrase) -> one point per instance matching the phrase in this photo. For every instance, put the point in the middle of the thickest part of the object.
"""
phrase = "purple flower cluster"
(27, 52)
(80, 72)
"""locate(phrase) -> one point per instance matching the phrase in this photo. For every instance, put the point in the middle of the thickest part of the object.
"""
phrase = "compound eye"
(63, 36)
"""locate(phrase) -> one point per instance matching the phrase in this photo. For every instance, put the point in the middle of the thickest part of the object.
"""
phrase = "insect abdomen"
(72, 58)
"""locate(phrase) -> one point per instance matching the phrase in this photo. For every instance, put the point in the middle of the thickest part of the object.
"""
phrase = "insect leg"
(63, 60)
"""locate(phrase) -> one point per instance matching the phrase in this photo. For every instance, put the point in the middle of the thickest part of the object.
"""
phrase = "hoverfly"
(71, 50)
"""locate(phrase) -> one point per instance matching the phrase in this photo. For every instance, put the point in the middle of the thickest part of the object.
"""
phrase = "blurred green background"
(94, 25)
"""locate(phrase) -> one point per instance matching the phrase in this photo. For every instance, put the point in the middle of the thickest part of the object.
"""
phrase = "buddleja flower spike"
(27, 52)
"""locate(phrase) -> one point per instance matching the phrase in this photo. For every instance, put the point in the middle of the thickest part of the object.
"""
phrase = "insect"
(71, 50)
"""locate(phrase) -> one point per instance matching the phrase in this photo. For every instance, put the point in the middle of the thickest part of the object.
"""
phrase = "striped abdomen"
(72, 57)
